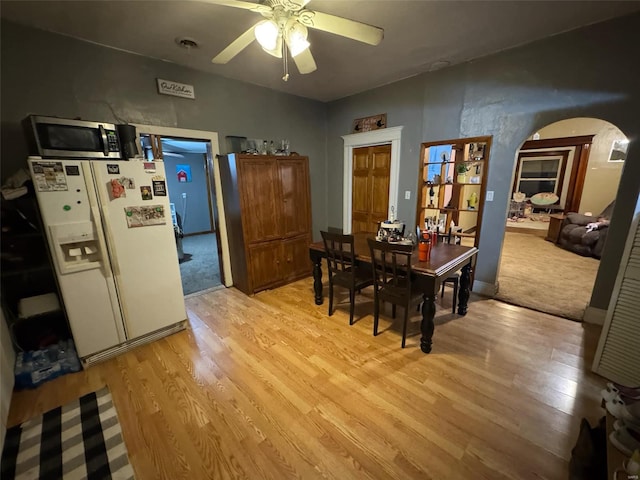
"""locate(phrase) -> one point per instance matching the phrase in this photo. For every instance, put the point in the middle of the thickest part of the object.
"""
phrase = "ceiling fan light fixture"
(277, 51)
(298, 39)
(267, 34)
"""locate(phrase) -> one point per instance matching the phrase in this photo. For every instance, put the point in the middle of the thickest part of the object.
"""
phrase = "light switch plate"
(490, 196)
(407, 195)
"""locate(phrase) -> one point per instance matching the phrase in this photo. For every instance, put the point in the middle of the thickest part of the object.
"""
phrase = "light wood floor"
(271, 387)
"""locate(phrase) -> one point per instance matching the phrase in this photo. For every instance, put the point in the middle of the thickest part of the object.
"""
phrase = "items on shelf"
(453, 183)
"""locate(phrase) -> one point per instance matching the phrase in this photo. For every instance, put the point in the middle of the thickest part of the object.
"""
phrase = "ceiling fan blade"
(254, 7)
(305, 62)
(342, 26)
(235, 47)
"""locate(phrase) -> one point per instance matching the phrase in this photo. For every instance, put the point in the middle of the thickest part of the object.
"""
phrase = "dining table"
(445, 259)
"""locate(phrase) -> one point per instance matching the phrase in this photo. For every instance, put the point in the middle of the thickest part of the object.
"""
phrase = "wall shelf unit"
(452, 181)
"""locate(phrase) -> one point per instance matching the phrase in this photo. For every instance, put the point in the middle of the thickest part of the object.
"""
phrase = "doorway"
(197, 213)
(565, 178)
(383, 136)
(188, 180)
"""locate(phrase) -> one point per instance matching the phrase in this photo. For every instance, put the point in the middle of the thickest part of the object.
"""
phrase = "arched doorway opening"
(565, 180)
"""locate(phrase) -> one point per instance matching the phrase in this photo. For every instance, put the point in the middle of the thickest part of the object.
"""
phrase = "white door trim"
(366, 139)
(212, 137)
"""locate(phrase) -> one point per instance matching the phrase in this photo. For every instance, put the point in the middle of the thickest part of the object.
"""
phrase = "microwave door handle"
(105, 143)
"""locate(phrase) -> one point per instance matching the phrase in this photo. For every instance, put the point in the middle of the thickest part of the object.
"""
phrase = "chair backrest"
(340, 252)
(391, 266)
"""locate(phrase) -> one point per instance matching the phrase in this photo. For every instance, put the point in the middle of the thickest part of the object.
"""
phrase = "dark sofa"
(576, 237)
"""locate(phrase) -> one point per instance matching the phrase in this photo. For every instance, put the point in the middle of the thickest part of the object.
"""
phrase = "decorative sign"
(167, 87)
(367, 124)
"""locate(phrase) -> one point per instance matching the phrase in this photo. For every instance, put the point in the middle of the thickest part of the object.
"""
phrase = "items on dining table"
(391, 230)
(424, 246)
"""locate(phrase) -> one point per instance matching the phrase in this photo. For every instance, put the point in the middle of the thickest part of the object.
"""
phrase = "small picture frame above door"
(619, 150)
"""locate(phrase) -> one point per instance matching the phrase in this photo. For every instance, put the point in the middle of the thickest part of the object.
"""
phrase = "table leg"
(317, 280)
(427, 326)
(463, 294)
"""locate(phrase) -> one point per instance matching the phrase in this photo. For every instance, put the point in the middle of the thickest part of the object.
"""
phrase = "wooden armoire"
(268, 215)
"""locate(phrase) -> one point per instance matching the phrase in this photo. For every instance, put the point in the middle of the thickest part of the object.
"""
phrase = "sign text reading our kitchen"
(167, 87)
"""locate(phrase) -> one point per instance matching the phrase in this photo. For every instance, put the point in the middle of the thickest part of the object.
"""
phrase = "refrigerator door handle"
(101, 243)
(115, 265)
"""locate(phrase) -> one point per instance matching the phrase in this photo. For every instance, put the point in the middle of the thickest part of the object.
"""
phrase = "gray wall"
(587, 73)
(50, 74)
(590, 73)
(197, 218)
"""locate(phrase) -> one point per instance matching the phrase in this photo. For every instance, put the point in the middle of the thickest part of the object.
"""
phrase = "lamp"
(267, 34)
(271, 33)
(297, 39)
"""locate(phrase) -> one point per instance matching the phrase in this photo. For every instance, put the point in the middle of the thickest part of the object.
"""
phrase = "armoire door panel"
(295, 254)
(294, 191)
(264, 262)
(261, 199)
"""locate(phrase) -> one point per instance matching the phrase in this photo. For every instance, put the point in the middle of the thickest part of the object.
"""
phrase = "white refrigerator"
(110, 233)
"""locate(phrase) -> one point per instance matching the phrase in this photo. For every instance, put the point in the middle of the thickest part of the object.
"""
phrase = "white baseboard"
(594, 315)
(483, 288)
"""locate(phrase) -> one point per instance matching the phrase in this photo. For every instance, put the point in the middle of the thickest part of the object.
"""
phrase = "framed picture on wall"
(619, 150)
(183, 172)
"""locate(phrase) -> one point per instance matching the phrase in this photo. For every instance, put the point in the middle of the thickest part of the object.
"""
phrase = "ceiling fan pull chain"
(285, 62)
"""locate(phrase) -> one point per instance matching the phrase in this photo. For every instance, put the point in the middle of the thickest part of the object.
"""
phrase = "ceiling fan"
(285, 28)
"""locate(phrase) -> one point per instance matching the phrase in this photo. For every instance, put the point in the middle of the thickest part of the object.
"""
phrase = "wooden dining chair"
(343, 270)
(392, 280)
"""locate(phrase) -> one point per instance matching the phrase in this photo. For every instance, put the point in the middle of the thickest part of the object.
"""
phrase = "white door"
(141, 240)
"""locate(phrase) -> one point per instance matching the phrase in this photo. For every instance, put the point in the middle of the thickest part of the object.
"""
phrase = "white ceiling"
(419, 35)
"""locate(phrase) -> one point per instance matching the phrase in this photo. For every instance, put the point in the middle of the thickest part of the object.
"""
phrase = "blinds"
(618, 354)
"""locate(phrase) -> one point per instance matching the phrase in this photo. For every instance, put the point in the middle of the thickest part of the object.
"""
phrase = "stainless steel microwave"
(66, 138)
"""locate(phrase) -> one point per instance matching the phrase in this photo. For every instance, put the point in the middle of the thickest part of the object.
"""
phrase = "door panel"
(360, 201)
(264, 262)
(260, 198)
(144, 259)
(370, 186)
(295, 254)
(380, 174)
(294, 195)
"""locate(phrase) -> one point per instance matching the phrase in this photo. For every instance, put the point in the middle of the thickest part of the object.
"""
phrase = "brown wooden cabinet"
(268, 213)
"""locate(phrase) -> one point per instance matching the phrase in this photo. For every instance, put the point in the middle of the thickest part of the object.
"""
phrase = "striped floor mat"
(81, 440)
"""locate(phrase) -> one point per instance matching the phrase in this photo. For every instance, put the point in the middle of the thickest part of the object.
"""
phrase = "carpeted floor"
(200, 269)
(537, 274)
(80, 440)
